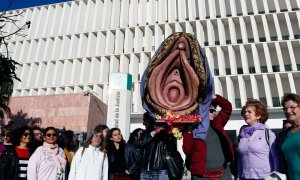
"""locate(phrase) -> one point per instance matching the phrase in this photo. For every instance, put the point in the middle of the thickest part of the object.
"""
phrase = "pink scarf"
(53, 149)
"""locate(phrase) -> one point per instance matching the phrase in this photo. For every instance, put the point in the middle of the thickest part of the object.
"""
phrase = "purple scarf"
(248, 130)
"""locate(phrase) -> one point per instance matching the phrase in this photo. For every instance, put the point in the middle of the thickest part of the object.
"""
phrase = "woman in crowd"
(90, 161)
(68, 144)
(48, 161)
(13, 161)
(257, 155)
(290, 143)
(6, 138)
(103, 129)
(135, 135)
(122, 157)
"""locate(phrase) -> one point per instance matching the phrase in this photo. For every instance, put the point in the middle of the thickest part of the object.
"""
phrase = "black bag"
(174, 164)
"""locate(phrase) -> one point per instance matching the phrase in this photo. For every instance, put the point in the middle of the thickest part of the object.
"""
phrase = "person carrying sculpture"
(211, 158)
(151, 143)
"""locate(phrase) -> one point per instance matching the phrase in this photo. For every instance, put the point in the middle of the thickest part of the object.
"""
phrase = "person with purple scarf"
(257, 155)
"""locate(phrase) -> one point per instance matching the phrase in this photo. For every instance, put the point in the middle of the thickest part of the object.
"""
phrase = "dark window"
(217, 42)
(238, 103)
(297, 36)
(276, 101)
(286, 37)
(274, 38)
(216, 72)
(218, 16)
(228, 15)
(264, 69)
(228, 71)
(263, 100)
(263, 39)
(275, 68)
(251, 40)
(239, 41)
(272, 11)
(250, 13)
(252, 70)
(205, 43)
(228, 41)
(298, 67)
(288, 67)
(240, 70)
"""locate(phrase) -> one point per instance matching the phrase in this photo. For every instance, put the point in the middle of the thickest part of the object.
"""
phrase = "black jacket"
(152, 150)
(8, 165)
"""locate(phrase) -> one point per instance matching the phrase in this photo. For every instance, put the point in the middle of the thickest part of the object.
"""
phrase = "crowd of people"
(45, 154)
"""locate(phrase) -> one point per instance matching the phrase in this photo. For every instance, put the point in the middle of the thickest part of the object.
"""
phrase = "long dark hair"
(109, 143)
(18, 133)
(133, 135)
(67, 141)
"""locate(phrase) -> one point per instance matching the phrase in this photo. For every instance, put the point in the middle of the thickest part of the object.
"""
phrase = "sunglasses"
(212, 110)
(26, 134)
(7, 135)
(53, 135)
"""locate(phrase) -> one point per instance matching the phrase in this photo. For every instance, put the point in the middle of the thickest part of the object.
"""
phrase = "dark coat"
(195, 149)
(152, 150)
(8, 164)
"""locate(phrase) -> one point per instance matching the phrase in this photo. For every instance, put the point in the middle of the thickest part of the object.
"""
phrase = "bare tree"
(7, 65)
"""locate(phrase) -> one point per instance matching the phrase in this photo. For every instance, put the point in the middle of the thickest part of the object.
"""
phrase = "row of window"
(264, 69)
(251, 13)
(275, 100)
(251, 40)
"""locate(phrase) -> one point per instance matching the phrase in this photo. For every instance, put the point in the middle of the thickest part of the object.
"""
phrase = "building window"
(274, 38)
(238, 103)
(286, 37)
(276, 101)
(288, 67)
(252, 70)
(250, 40)
(263, 100)
(298, 67)
(216, 72)
(264, 69)
(239, 41)
(275, 68)
(262, 39)
(240, 70)
(217, 42)
(205, 43)
(228, 71)
(228, 41)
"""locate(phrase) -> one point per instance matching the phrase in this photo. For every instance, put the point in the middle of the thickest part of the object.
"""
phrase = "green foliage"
(7, 77)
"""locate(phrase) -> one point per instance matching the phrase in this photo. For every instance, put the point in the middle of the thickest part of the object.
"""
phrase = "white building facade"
(253, 47)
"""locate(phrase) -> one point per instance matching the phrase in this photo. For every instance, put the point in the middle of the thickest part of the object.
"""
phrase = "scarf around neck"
(248, 130)
(59, 160)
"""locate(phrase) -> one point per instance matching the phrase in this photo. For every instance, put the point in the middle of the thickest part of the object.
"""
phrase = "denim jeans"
(155, 175)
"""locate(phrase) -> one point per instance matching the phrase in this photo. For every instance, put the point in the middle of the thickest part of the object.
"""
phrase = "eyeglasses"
(212, 110)
(26, 134)
(291, 108)
(7, 135)
(97, 136)
(53, 135)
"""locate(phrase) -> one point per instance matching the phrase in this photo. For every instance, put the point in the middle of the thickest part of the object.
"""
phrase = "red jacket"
(196, 148)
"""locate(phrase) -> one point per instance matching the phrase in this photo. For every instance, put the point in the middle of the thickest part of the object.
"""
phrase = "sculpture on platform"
(177, 81)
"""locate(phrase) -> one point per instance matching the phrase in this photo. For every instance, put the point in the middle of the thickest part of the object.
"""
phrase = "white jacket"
(90, 165)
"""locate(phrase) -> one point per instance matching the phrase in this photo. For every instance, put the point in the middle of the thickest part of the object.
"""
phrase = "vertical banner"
(119, 102)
